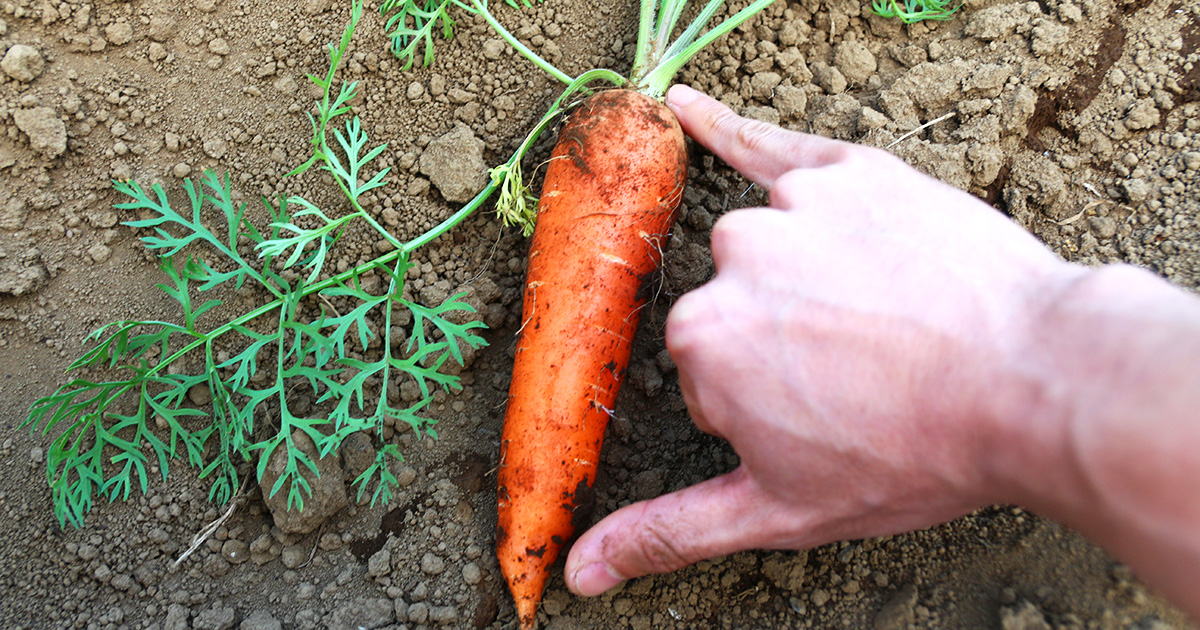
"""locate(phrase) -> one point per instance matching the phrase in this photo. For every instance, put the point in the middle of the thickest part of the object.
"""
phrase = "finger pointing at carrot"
(760, 151)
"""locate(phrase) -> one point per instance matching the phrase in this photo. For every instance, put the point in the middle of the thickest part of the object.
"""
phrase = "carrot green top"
(656, 62)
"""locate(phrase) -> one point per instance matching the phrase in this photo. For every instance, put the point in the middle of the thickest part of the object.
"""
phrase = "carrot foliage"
(412, 24)
(912, 11)
(112, 435)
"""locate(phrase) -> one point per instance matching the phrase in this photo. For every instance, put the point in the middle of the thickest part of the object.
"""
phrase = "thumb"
(717, 517)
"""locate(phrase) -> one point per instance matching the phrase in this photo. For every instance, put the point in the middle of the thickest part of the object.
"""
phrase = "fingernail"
(596, 578)
(681, 95)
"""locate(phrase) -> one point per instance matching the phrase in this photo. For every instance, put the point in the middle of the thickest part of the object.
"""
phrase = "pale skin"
(886, 353)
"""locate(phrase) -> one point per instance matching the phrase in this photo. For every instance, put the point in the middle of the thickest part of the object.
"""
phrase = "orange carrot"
(611, 190)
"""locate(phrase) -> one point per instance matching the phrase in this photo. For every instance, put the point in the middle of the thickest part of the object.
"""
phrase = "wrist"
(1001, 407)
(1027, 445)
(1107, 444)
(1108, 348)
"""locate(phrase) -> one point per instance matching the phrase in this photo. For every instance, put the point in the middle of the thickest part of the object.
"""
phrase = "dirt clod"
(23, 63)
(854, 61)
(47, 133)
(454, 164)
(328, 490)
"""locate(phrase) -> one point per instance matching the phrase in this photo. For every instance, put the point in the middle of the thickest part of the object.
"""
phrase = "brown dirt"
(1079, 120)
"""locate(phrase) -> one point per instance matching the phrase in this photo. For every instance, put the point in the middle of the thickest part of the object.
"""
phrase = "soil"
(1080, 120)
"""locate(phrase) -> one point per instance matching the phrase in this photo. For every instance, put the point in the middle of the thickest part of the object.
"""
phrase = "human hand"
(858, 348)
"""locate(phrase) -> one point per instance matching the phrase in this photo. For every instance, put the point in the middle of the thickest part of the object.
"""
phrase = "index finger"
(760, 151)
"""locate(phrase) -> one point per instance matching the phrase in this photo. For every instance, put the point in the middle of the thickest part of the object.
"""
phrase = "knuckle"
(684, 323)
(732, 227)
(739, 238)
(658, 547)
(793, 188)
(867, 157)
(723, 121)
(843, 153)
(833, 153)
(729, 234)
(752, 137)
(736, 232)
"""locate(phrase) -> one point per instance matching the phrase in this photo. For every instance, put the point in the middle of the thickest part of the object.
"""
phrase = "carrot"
(612, 186)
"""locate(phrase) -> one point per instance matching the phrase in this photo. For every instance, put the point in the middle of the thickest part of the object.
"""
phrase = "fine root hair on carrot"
(636, 314)
(532, 309)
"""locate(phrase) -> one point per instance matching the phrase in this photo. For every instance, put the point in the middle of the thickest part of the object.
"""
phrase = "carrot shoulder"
(611, 190)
